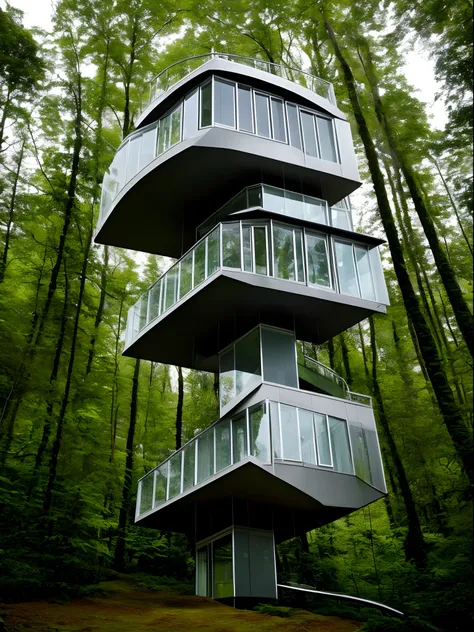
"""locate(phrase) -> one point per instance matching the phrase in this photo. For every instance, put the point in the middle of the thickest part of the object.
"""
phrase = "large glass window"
(361, 453)
(278, 120)
(222, 568)
(275, 423)
(212, 252)
(318, 264)
(260, 434)
(164, 134)
(205, 456)
(309, 135)
(186, 275)
(222, 431)
(308, 454)
(191, 107)
(346, 268)
(245, 109)
(260, 243)
(247, 361)
(326, 139)
(365, 274)
(262, 114)
(202, 573)
(247, 248)
(224, 103)
(283, 253)
(315, 210)
(289, 433)
(239, 438)
(340, 446)
(322, 440)
(279, 357)
(155, 295)
(231, 245)
(132, 160)
(294, 125)
(206, 105)
(341, 216)
(199, 263)
(175, 126)
(171, 286)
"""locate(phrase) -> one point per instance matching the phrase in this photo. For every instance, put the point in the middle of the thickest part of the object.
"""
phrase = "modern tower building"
(241, 170)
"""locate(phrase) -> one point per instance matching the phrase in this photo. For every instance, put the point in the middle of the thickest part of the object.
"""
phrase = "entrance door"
(222, 567)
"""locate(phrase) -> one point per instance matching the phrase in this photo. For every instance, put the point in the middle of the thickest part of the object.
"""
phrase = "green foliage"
(164, 584)
(388, 624)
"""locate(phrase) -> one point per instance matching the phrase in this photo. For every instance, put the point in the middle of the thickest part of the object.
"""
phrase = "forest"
(80, 423)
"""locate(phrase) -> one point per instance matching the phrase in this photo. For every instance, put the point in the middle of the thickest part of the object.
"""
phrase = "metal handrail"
(260, 64)
(323, 369)
(369, 602)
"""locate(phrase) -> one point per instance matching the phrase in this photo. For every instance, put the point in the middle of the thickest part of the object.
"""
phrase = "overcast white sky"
(418, 70)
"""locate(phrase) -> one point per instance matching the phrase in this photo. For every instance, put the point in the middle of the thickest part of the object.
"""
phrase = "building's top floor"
(184, 72)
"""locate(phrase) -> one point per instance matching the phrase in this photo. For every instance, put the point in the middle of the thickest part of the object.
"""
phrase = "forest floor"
(122, 607)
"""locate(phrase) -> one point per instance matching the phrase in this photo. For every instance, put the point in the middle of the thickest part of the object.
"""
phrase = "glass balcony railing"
(265, 248)
(269, 431)
(174, 73)
(326, 373)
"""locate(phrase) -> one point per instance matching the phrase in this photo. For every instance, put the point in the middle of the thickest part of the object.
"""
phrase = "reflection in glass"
(212, 252)
(293, 124)
(278, 120)
(231, 245)
(361, 453)
(315, 210)
(245, 109)
(205, 456)
(318, 265)
(299, 255)
(275, 422)
(308, 454)
(146, 493)
(164, 133)
(274, 200)
(341, 218)
(222, 431)
(365, 274)
(224, 99)
(222, 568)
(175, 475)
(147, 148)
(247, 248)
(188, 466)
(171, 283)
(309, 136)
(155, 300)
(326, 139)
(247, 361)
(260, 241)
(186, 275)
(190, 122)
(346, 268)
(239, 438)
(199, 263)
(283, 253)
(289, 433)
(206, 105)
(132, 158)
(263, 115)
(201, 572)
(260, 434)
(340, 446)
(226, 376)
(279, 357)
(322, 440)
(175, 126)
(161, 484)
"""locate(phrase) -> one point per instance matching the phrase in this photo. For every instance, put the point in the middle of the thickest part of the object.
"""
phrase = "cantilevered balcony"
(289, 276)
(308, 458)
(218, 137)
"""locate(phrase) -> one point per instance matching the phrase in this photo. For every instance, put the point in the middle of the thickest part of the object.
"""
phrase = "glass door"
(222, 568)
(202, 572)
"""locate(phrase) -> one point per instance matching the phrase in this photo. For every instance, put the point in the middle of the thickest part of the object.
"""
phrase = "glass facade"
(266, 248)
(267, 431)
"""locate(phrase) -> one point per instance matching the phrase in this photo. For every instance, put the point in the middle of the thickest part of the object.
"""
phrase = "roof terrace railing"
(180, 69)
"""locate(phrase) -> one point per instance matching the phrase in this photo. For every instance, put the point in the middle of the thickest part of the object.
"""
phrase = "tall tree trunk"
(456, 298)
(11, 212)
(52, 385)
(179, 408)
(119, 558)
(115, 386)
(345, 359)
(53, 463)
(415, 548)
(100, 309)
(451, 414)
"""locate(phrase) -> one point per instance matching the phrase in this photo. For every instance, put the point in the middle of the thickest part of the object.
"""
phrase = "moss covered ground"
(121, 606)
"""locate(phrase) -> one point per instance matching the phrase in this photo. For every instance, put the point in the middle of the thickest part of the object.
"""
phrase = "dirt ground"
(127, 609)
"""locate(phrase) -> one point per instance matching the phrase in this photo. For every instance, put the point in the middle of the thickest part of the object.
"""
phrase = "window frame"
(353, 244)
(234, 85)
(331, 286)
